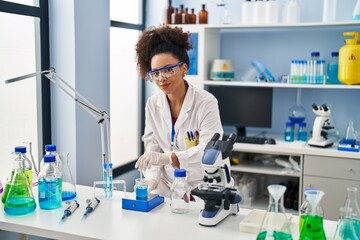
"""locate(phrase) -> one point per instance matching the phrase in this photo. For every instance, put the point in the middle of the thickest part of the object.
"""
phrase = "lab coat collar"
(186, 107)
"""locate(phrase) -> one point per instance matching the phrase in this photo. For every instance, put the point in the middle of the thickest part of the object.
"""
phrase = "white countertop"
(110, 221)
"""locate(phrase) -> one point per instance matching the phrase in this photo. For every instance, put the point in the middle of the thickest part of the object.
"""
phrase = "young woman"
(180, 119)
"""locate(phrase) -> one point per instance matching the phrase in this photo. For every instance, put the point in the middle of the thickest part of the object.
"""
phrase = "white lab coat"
(200, 112)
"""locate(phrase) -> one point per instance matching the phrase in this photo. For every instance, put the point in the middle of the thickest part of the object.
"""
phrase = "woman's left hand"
(148, 159)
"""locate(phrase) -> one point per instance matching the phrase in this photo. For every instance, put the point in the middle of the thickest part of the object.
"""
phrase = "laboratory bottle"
(345, 229)
(333, 69)
(356, 12)
(50, 149)
(275, 224)
(271, 12)
(289, 132)
(351, 202)
(179, 193)
(313, 227)
(192, 16)
(349, 59)
(203, 15)
(305, 209)
(291, 12)
(185, 17)
(259, 12)
(167, 13)
(50, 184)
(19, 199)
(182, 11)
(20, 151)
(176, 16)
(68, 184)
(247, 12)
(302, 133)
(329, 11)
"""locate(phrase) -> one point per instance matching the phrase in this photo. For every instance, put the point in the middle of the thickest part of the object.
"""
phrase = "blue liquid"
(68, 195)
(20, 205)
(356, 17)
(302, 136)
(141, 193)
(50, 193)
(296, 119)
(289, 136)
(332, 72)
(356, 223)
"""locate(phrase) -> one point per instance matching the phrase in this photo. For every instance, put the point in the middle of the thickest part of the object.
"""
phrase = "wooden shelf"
(277, 85)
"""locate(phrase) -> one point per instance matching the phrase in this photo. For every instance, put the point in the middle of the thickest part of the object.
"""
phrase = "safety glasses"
(166, 72)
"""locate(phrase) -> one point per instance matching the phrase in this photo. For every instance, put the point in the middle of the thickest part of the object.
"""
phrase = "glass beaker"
(275, 224)
(345, 228)
(313, 224)
(68, 184)
(351, 202)
(20, 199)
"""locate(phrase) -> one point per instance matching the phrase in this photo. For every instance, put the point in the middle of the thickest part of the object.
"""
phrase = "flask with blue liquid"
(50, 184)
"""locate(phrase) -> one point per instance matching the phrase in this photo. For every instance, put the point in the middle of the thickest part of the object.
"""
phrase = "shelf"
(279, 26)
(263, 169)
(277, 85)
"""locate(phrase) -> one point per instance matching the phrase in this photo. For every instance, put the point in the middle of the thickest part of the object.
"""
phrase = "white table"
(110, 221)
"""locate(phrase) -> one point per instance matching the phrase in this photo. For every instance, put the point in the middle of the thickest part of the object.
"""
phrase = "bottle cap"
(315, 54)
(20, 149)
(50, 148)
(180, 173)
(302, 124)
(49, 158)
(334, 54)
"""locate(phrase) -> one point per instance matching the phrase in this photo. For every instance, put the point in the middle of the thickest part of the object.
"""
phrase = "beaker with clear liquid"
(313, 224)
(20, 151)
(351, 202)
(275, 224)
(68, 184)
(20, 199)
(345, 228)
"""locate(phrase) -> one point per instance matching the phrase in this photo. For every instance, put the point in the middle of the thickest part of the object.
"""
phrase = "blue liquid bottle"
(19, 199)
(50, 184)
(302, 133)
(332, 69)
(289, 132)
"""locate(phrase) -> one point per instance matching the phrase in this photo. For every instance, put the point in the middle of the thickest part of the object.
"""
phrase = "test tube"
(106, 180)
(110, 180)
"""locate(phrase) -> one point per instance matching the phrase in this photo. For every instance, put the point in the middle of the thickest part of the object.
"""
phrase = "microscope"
(218, 191)
(321, 127)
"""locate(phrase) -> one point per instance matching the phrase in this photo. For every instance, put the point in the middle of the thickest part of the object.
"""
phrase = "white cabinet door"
(335, 193)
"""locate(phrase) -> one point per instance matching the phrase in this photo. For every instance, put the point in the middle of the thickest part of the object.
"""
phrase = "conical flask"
(20, 151)
(68, 184)
(313, 225)
(20, 199)
(275, 224)
(350, 131)
(345, 228)
(351, 202)
(305, 209)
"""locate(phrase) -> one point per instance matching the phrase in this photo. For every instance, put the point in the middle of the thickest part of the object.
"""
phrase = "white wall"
(79, 42)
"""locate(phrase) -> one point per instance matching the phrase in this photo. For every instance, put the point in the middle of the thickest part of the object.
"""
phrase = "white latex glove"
(152, 184)
(148, 159)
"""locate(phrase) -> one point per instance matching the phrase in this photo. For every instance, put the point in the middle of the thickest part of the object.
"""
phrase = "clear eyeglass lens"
(164, 73)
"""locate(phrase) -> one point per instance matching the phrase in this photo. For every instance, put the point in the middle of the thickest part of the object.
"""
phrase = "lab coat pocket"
(189, 143)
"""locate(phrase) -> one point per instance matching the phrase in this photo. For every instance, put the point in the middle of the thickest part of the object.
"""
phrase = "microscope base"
(322, 143)
(221, 214)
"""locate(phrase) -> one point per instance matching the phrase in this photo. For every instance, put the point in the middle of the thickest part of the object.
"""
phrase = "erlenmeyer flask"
(68, 184)
(313, 225)
(35, 169)
(275, 224)
(20, 199)
(20, 151)
(350, 131)
(351, 202)
(345, 228)
(305, 209)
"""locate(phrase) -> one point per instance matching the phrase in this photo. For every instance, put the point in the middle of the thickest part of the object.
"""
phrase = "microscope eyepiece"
(215, 137)
(315, 107)
(325, 107)
(232, 138)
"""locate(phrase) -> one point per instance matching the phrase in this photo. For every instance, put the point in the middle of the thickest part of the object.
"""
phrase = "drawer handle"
(351, 170)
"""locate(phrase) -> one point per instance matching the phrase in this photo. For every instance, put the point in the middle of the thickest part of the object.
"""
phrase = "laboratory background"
(270, 76)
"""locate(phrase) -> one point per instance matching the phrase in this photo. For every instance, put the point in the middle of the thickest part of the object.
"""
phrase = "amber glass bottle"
(185, 17)
(192, 16)
(203, 15)
(176, 17)
(167, 13)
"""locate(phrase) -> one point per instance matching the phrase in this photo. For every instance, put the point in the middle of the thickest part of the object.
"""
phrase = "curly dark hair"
(162, 39)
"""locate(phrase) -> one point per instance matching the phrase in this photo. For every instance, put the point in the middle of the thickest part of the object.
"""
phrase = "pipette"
(73, 205)
(92, 204)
